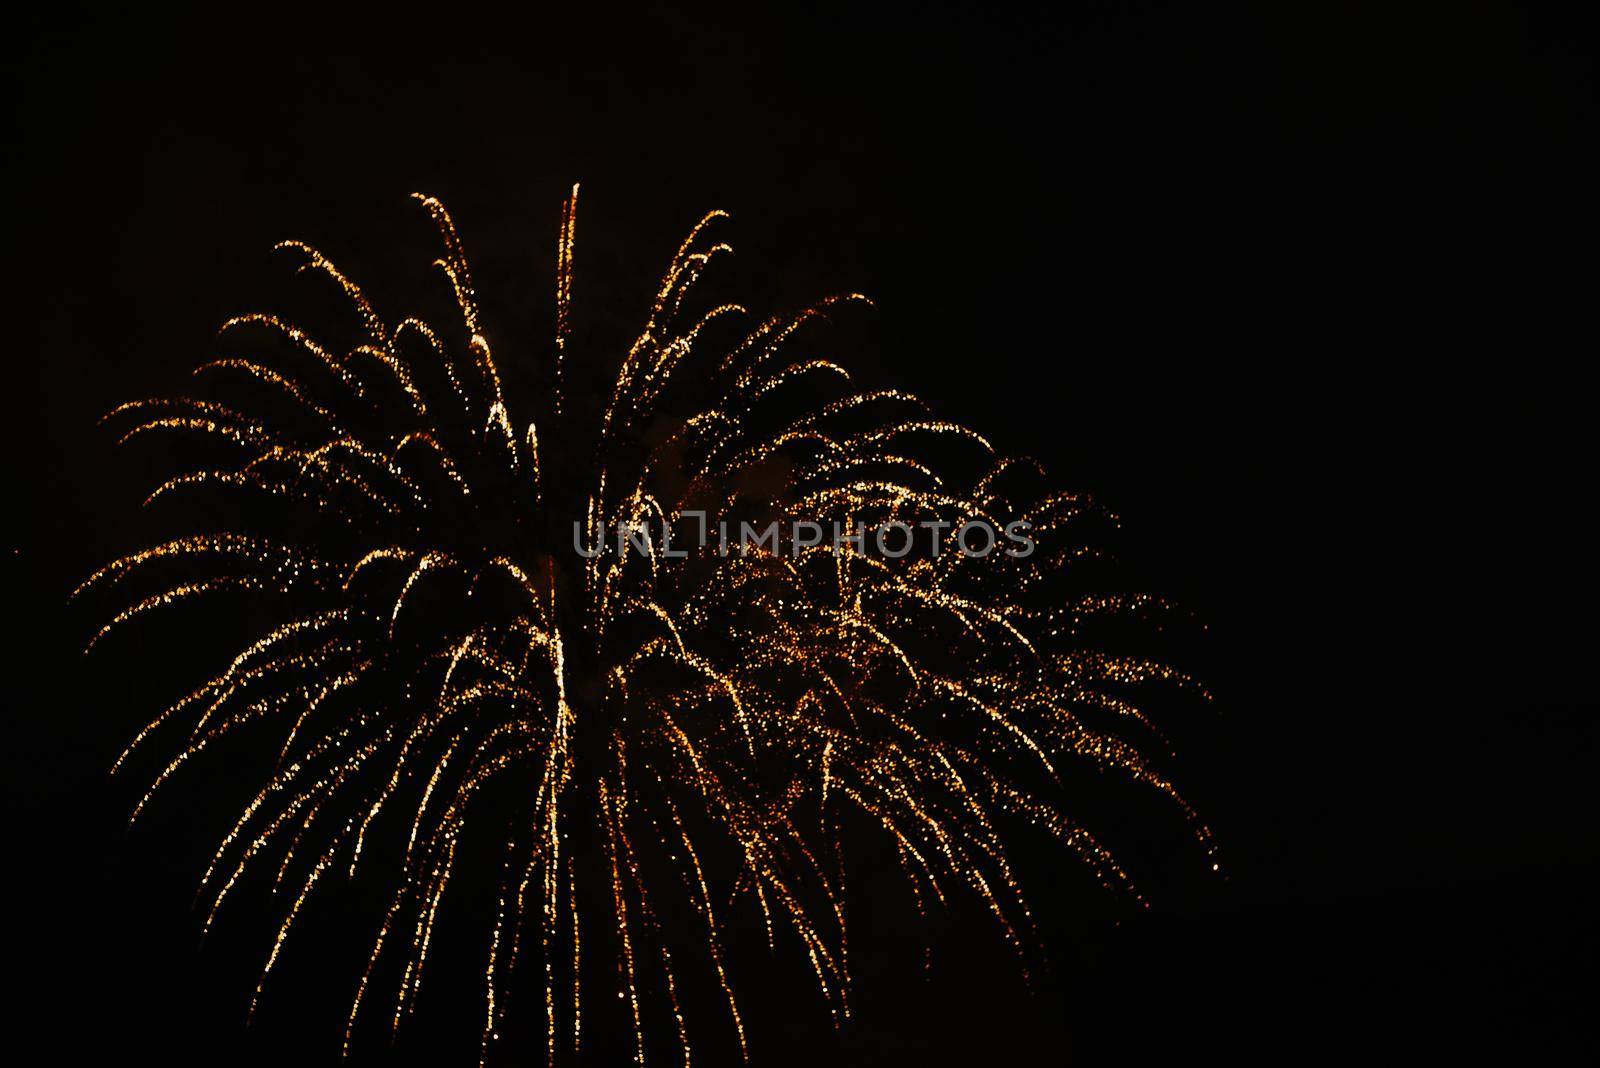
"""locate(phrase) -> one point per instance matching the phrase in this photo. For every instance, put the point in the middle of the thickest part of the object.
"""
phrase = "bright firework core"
(662, 747)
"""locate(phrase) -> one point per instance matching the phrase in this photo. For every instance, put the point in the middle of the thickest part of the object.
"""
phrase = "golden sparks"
(456, 635)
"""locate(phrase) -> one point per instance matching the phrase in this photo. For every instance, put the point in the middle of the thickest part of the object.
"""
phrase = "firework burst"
(453, 635)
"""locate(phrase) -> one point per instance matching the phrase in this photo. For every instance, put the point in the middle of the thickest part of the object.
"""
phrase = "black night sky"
(1306, 298)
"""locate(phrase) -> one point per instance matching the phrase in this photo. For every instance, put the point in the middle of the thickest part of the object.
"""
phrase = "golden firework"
(458, 629)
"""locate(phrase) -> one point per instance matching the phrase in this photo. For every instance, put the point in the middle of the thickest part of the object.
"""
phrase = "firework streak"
(684, 733)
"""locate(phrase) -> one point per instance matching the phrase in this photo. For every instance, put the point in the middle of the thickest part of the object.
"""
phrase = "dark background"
(1306, 296)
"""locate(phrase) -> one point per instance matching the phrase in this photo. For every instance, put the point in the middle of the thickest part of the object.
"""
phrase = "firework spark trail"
(749, 704)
